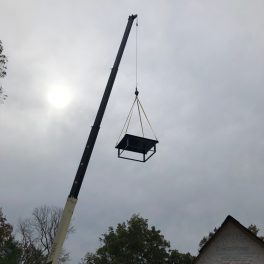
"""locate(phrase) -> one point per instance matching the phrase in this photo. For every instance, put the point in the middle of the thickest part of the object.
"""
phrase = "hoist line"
(136, 53)
(136, 100)
(136, 91)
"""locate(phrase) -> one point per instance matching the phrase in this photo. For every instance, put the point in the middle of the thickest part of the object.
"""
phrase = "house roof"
(229, 219)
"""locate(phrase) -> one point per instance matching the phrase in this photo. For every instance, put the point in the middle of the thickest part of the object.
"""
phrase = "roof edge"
(229, 219)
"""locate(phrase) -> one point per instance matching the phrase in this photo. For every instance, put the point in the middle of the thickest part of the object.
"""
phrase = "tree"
(10, 251)
(134, 243)
(180, 258)
(254, 229)
(3, 61)
(37, 234)
(205, 239)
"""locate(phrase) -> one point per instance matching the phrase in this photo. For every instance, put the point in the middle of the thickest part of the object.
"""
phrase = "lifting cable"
(136, 100)
(136, 56)
(136, 91)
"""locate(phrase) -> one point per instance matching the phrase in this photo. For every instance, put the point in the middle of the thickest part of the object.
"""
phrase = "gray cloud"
(200, 80)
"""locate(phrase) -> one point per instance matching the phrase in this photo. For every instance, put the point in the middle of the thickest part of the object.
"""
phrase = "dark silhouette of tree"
(10, 251)
(175, 257)
(254, 229)
(205, 239)
(134, 242)
(3, 61)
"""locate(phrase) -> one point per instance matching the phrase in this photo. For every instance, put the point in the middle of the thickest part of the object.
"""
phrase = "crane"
(77, 183)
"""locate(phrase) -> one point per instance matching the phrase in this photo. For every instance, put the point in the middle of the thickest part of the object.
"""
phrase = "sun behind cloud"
(59, 96)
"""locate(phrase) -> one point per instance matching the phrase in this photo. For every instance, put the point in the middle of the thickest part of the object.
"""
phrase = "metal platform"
(141, 145)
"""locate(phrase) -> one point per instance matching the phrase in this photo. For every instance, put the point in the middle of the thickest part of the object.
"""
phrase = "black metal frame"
(129, 148)
(144, 155)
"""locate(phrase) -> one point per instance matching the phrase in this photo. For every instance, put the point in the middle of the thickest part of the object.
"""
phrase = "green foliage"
(10, 251)
(5, 230)
(179, 258)
(36, 236)
(32, 255)
(135, 242)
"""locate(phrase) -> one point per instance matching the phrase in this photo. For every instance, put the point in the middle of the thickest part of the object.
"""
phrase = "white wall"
(233, 246)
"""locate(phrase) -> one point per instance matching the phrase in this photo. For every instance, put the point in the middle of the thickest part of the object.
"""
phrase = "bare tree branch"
(39, 230)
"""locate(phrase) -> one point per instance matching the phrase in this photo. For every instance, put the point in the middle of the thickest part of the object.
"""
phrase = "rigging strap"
(142, 130)
(147, 119)
(127, 122)
(128, 119)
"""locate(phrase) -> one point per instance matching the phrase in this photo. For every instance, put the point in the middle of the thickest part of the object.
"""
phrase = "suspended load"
(142, 146)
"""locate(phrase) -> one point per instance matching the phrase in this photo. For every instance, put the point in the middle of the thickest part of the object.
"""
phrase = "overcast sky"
(200, 74)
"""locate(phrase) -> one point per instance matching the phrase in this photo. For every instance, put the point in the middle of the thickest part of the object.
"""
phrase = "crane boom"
(76, 186)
